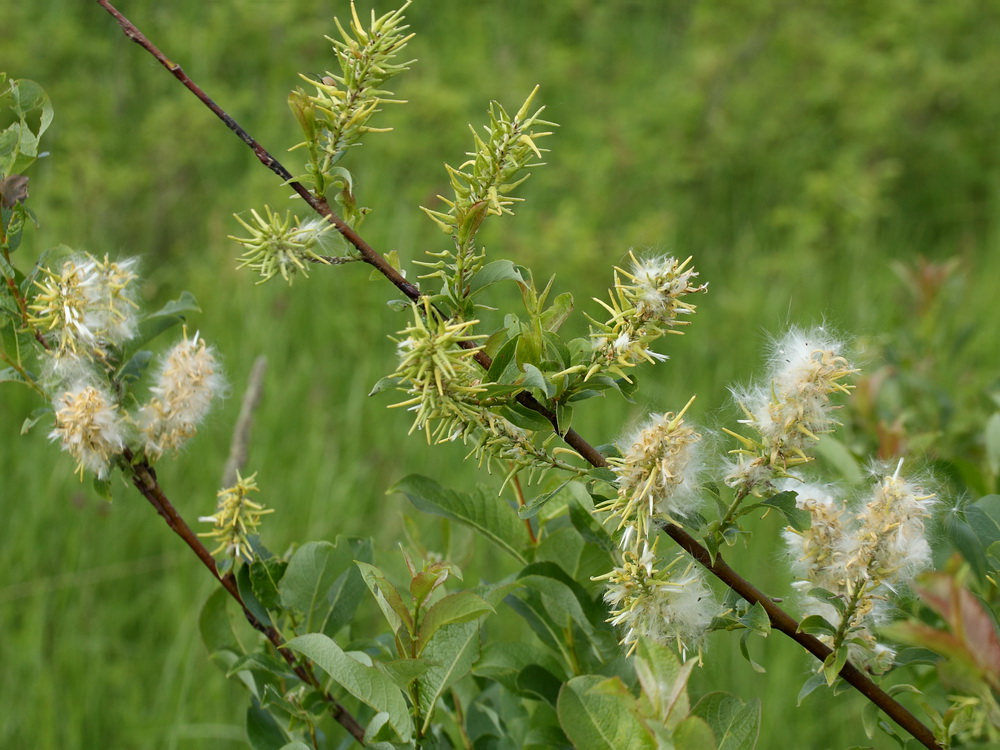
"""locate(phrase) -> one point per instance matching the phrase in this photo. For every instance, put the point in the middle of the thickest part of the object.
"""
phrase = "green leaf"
(756, 620)
(482, 510)
(735, 723)
(504, 369)
(817, 624)
(552, 581)
(535, 378)
(814, 681)
(973, 529)
(323, 582)
(797, 518)
(397, 614)
(558, 312)
(387, 383)
(403, 671)
(531, 508)
(503, 661)
(664, 680)
(833, 663)
(152, 325)
(184, 304)
(598, 716)
(537, 682)
(491, 273)
(365, 683)
(526, 419)
(263, 731)
(694, 734)
(264, 578)
(216, 624)
(249, 597)
(462, 606)
(589, 528)
(18, 142)
(451, 653)
(529, 352)
(745, 651)
(564, 417)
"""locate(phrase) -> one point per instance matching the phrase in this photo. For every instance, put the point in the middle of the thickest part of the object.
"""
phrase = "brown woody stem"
(780, 620)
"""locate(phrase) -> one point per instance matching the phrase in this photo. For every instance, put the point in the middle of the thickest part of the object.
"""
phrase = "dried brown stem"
(240, 444)
(780, 619)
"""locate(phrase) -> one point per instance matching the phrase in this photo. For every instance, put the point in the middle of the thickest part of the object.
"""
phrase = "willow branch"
(780, 620)
(144, 480)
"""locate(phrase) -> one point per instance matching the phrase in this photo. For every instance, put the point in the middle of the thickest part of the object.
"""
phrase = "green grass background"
(796, 152)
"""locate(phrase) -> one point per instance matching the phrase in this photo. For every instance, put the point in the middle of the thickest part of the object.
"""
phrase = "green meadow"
(823, 163)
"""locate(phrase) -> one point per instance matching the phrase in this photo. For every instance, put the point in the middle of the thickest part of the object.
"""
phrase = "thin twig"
(780, 619)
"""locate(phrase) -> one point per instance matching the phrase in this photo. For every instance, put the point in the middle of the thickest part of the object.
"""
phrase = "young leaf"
(365, 683)
(558, 312)
(833, 663)
(503, 369)
(745, 651)
(388, 598)
(462, 606)
(155, 323)
(482, 510)
(595, 717)
(531, 508)
(491, 273)
(664, 680)
(756, 620)
(814, 681)
(797, 518)
(817, 624)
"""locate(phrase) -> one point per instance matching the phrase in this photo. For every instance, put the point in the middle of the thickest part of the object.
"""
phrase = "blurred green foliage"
(800, 152)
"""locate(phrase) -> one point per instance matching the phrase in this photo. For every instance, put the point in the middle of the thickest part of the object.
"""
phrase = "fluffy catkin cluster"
(657, 477)
(84, 314)
(791, 410)
(644, 307)
(89, 426)
(657, 481)
(87, 307)
(187, 381)
(860, 557)
(672, 605)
